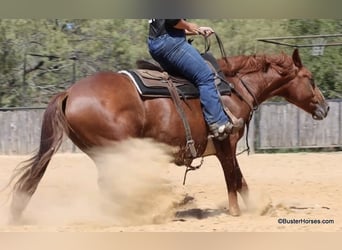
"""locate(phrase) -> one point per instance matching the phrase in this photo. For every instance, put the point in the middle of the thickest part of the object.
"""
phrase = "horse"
(106, 107)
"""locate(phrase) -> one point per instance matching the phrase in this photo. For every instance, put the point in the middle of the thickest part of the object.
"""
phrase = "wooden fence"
(274, 126)
(286, 126)
(20, 131)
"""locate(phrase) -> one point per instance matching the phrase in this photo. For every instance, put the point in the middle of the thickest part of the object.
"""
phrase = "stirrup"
(237, 125)
(219, 132)
(222, 132)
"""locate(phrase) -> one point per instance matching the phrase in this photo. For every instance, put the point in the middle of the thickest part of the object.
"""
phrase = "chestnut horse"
(106, 107)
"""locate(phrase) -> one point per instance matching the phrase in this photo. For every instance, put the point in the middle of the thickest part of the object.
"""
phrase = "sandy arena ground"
(147, 194)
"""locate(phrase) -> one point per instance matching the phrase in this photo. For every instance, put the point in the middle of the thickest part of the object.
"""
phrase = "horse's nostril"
(328, 108)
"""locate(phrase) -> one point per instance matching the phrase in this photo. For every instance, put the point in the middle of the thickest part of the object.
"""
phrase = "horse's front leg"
(231, 179)
(232, 175)
(236, 183)
(242, 187)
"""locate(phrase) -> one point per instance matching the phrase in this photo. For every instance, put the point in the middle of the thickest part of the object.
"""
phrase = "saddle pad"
(160, 89)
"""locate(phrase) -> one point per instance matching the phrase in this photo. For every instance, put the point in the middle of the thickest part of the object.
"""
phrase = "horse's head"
(278, 75)
(303, 92)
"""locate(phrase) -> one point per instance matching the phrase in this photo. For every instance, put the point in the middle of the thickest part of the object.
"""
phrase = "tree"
(40, 57)
(327, 68)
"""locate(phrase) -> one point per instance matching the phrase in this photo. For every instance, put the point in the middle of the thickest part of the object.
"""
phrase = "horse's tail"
(28, 174)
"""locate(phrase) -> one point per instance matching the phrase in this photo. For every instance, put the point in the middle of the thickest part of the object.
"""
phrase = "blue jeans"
(175, 54)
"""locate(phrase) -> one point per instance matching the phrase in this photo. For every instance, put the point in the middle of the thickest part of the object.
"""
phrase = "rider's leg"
(177, 55)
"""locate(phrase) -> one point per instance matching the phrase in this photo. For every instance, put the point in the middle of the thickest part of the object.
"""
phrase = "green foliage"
(40, 57)
(328, 67)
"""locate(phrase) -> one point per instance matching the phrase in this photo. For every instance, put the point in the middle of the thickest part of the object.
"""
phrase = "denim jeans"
(175, 54)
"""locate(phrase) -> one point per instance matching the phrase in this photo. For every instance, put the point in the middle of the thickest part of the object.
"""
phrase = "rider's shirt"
(160, 27)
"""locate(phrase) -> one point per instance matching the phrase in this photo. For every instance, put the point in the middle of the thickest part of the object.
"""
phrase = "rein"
(251, 106)
(220, 44)
(244, 84)
(224, 55)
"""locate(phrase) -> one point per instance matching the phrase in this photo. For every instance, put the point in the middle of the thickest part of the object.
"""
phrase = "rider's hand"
(205, 31)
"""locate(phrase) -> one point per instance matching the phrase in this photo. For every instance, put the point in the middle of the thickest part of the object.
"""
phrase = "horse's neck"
(262, 79)
(267, 85)
(277, 85)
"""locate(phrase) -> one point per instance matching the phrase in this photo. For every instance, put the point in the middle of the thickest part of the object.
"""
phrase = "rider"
(168, 46)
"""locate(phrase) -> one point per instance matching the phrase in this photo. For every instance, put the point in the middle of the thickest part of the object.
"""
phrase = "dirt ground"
(147, 195)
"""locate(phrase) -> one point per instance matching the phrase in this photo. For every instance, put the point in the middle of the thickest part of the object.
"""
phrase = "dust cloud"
(132, 177)
(127, 185)
(142, 192)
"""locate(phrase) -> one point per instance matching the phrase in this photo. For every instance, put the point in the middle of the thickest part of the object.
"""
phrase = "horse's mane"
(246, 64)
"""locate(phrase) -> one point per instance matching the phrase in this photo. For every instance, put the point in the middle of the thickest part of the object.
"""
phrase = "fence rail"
(274, 126)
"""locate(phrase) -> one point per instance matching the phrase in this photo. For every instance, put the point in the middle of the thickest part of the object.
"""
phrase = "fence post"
(340, 122)
(256, 134)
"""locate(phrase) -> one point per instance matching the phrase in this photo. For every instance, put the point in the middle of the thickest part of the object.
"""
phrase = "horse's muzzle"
(321, 111)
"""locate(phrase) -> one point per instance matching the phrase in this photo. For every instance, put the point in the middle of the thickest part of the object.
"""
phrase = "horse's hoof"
(14, 220)
(234, 211)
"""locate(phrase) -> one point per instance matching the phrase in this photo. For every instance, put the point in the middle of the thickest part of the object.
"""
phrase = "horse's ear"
(296, 58)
